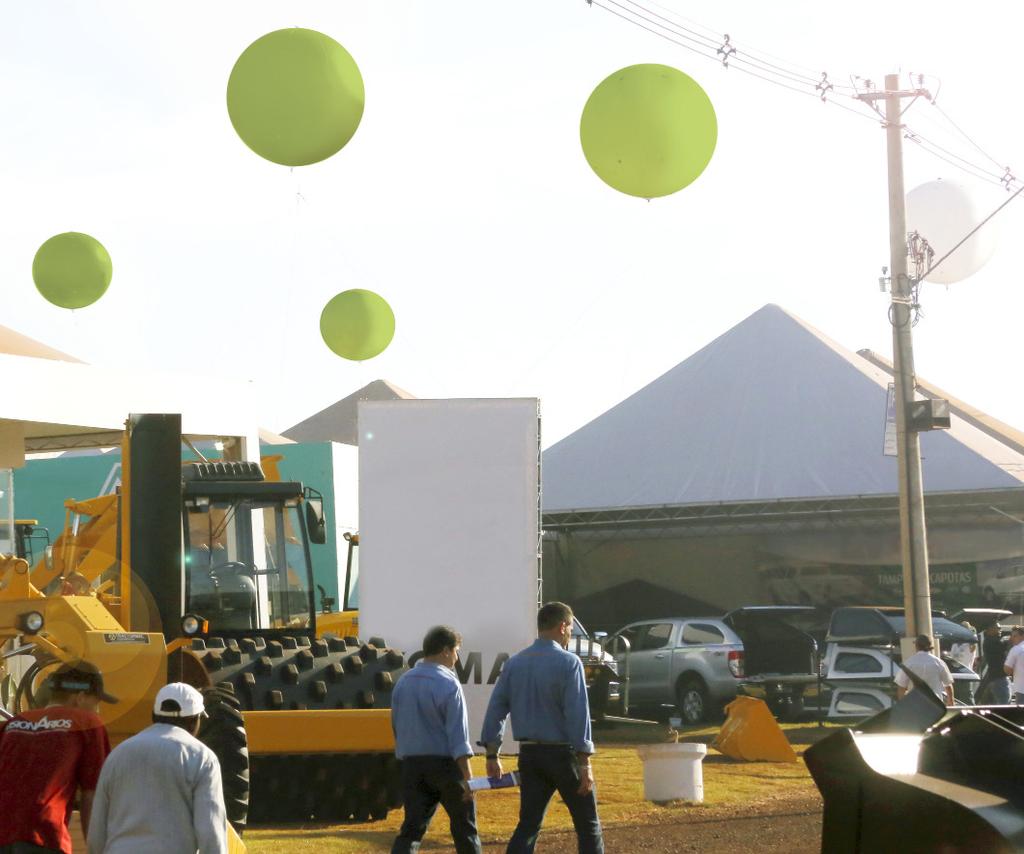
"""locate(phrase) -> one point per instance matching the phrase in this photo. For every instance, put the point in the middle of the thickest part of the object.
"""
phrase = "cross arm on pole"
(898, 93)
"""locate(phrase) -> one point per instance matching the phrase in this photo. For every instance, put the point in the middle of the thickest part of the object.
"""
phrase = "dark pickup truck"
(781, 647)
(852, 662)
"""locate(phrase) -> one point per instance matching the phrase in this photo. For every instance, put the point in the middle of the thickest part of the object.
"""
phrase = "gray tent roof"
(339, 421)
(770, 410)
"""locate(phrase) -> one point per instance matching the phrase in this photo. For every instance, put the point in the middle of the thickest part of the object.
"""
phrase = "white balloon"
(943, 213)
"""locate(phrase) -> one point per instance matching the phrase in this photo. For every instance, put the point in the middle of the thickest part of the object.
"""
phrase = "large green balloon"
(357, 324)
(648, 130)
(72, 270)
(295, 96)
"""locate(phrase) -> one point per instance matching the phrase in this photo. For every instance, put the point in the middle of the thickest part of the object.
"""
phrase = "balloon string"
(293, 270)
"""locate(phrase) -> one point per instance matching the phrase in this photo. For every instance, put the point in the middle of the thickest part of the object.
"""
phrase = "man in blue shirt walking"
(545, 690)
(428, 714)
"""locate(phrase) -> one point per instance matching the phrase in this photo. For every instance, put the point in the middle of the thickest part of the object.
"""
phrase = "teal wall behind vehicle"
(42, 486)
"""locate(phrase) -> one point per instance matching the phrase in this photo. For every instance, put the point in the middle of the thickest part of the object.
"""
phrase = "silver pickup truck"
(698, 664)
(693, 663)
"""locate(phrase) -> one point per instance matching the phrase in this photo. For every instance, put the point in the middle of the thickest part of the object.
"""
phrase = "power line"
(1004, 176)
(702, 46)
(723, 43)
(979, 176)
(963, 133)
(722, 51)
(761, 57)
(955, 160)
(971, 233)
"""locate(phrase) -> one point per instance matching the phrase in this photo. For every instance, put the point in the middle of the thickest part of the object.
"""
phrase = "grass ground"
(619, 774)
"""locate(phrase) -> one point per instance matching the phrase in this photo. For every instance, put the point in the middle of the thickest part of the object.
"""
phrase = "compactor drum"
(299, 674)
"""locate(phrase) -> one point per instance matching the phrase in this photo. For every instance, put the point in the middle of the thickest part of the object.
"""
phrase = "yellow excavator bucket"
(750, 732)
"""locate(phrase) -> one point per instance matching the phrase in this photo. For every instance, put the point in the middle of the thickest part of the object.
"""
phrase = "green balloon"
(72, 270)
(648, 130)
(295, 96)
(357, 324)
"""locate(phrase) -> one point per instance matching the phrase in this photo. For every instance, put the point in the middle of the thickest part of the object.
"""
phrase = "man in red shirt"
(46, 756)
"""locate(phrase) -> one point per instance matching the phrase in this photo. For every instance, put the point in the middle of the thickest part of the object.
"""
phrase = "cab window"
(701, 634)
(631, 634)
(656, 637)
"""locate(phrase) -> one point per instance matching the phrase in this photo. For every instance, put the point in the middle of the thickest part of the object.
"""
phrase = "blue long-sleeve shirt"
(545, 690)
(428, 713)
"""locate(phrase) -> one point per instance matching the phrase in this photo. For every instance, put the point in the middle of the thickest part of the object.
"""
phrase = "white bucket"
(672, 772)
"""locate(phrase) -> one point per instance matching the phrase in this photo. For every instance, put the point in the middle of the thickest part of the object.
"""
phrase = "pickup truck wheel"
(692, 701)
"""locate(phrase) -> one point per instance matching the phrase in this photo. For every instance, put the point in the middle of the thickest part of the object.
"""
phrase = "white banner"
(449, 515)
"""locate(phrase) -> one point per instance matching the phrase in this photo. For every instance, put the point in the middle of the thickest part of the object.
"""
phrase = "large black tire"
(223, 731)
(297, 673)
(692, 701)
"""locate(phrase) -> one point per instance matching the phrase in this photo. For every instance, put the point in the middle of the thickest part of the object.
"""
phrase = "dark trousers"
(994, 691)
(543, 770)
(426, 782)
(27, 848)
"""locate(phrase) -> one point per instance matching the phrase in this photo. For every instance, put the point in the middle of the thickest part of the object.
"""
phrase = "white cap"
(189, 700)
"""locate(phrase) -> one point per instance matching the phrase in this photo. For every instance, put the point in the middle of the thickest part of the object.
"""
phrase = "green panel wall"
(311, 463)
(42, 486)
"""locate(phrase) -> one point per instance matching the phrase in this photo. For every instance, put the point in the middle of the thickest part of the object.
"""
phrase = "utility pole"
(917, 601)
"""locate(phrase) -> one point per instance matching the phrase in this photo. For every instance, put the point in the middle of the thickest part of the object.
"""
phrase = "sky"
(465, 200)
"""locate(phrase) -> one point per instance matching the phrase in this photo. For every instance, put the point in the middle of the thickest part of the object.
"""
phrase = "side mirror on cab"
(315, 523)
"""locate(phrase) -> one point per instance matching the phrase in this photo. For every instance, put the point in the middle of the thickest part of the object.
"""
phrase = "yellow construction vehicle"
(29, 538)
(201, 573)
(346, 620)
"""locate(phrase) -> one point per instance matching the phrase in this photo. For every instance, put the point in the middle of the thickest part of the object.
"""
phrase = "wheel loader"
(200, 572)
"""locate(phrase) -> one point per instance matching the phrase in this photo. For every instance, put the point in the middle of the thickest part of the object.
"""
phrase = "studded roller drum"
(291, 673)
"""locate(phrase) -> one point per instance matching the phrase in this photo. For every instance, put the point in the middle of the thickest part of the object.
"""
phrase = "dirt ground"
(788, 826)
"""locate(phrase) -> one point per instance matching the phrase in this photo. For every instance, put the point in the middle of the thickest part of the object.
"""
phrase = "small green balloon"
(295, 96)
(648, 130)
(72, 270)
(357, 324)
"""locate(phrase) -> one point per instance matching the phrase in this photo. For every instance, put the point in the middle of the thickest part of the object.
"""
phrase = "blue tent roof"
(771, 409)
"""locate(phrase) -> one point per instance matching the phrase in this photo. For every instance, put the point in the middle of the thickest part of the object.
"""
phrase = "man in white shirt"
(966, 653)
(1014, 667)
(160, 791)
(929, 668)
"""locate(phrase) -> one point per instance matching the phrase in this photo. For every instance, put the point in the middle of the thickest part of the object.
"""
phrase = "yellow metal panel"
(320, 731)
(66, 620)
(339, 623)
(88, 609)
(134, 668)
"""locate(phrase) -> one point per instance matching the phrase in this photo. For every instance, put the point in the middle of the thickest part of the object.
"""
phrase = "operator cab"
(247, 563)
